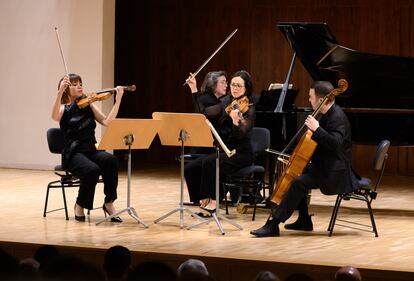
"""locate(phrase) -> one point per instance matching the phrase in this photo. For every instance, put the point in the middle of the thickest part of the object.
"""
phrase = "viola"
(100, 95)
(242, 104)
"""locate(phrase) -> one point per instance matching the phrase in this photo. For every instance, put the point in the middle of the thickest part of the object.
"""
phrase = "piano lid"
(375, 81)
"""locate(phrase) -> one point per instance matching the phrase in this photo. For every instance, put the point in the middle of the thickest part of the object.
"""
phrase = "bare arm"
(57, 109)
(101, 117)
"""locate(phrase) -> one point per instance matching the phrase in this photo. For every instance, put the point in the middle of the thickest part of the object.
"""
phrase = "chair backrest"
(380, 157)
(260, 138)
(55, 140)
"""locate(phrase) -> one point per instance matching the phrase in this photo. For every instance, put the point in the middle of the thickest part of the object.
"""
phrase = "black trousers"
(200, 174)
(296, 197)
(87, 166)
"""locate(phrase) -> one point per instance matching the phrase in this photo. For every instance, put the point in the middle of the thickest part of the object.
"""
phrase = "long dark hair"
(74, 78)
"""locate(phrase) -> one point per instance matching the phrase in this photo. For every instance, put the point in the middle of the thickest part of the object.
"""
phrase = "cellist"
(330, 167)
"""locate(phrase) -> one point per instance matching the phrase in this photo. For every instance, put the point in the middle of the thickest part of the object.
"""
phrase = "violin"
(104, 94)
(242, 104)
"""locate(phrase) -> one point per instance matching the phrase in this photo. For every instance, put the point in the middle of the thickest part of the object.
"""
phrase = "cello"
(303, 151)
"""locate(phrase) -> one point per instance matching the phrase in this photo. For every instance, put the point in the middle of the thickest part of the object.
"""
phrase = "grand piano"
(380, 99)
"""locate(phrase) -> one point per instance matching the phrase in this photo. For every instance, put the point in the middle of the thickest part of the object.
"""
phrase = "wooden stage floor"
(155, 191)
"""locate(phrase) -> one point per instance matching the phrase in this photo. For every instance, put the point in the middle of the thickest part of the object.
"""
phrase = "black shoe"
(270, 229)
(114, 219)
(303, 223)
(80, 218)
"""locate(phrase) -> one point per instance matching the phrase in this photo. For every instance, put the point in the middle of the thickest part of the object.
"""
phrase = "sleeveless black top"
(78, 127)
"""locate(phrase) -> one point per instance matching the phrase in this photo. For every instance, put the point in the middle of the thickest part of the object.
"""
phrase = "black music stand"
(180, 129)
(129, 134)
(216, 216)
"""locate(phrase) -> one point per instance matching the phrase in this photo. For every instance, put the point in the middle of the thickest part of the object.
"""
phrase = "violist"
(235, 132)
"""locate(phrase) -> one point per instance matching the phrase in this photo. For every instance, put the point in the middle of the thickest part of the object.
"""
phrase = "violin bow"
(210, 57)
(61, 51)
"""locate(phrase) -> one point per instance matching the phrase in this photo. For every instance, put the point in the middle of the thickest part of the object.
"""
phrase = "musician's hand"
(235, 116)
(192, 83)
(119, 92)
(312, 123)
(64, 83)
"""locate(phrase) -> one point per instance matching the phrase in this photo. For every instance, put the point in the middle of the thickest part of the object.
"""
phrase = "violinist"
(330, 168)
(79, 155)
(213, 88)
(234, 125)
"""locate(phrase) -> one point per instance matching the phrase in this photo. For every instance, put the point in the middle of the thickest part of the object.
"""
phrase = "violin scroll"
(131, 88)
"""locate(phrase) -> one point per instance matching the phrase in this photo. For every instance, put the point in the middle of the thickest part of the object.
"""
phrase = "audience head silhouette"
(44, 254)
(9, 265)
(348, 273)
(266, 276)
(117, 263)
(192, 265)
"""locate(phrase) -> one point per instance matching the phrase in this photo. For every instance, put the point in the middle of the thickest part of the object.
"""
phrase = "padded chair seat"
(249, 181)
(249, 170)
(364, 183)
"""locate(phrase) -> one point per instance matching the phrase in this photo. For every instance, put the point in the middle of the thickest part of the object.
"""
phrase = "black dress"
(81, 158)
(200, 174)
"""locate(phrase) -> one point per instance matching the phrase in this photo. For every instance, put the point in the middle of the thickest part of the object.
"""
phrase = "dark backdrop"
(159, 42)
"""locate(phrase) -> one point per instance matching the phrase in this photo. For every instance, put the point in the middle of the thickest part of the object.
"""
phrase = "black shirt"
(78, 127)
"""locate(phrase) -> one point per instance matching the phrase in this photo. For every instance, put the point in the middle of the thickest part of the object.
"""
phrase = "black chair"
(366, 192)
(55, 142)
(250, 180)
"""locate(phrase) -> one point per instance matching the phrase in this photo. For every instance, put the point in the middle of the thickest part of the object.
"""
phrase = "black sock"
(274, 220)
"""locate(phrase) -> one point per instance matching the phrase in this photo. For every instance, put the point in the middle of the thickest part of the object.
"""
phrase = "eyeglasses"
(237, 86)
(224, 82)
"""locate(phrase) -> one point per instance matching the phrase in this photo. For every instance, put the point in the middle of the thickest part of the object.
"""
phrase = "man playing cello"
(330, 168)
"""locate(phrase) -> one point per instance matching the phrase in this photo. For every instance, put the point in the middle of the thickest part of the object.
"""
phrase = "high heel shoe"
(208, 209)
(79, 218)
(114, 219)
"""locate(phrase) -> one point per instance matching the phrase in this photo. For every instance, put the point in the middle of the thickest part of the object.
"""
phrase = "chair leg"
(334, 214)
(254, 200)
(371, 215)
(47, 198)
(64, 202)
